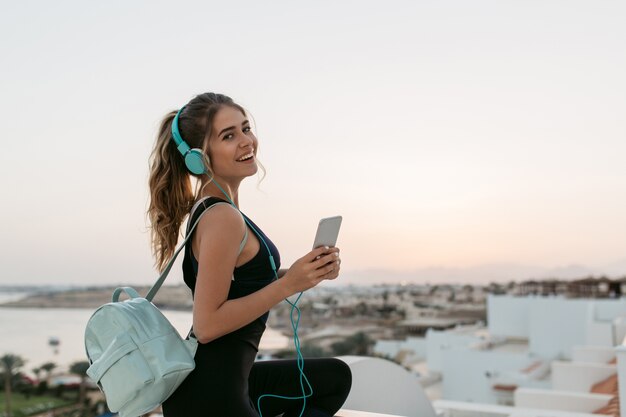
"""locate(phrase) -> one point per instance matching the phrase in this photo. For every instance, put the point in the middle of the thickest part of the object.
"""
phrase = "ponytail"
(171, 194)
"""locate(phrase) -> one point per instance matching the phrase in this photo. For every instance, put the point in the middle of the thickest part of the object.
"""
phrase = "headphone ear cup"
(194, 160)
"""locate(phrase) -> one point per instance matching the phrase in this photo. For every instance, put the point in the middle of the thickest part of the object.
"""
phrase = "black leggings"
(330, 379)
(227, 382)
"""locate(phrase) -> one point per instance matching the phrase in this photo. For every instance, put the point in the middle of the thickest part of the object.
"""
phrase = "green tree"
(10, 365)
(37, 372)
(48, 367)
(342, 348)
(362, 343)
(357, 344)
(80, 369)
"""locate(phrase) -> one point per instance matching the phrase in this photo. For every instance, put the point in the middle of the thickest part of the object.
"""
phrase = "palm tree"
(48, 367)
(10, 365)
(80, 369)
(37, 372)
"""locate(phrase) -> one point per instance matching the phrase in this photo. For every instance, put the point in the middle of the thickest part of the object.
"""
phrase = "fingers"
(316, 253)
(328, 251)
(325, 259)
(334, 272)
(320, 264)
(327, 265)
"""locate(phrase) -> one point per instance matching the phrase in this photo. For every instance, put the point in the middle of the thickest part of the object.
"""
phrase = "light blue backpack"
(137, 357)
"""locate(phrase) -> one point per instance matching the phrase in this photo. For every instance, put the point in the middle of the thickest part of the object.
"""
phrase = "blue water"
(27, 331)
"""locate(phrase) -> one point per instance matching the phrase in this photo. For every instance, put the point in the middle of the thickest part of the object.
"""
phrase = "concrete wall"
(438, 342)
(468, 374)
(600, 334)
(508, 315)
(593, 354)
(579, 376)
(607, 310)
(579, 322)
(556, 325)
(560, 400)
(619, 330)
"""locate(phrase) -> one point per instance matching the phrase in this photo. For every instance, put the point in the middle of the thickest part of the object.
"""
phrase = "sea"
(56, 335)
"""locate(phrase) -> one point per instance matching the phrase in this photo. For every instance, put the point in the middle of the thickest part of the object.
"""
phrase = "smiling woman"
(232, 269)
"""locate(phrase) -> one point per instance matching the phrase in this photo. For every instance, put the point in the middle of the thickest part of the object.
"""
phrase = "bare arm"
(220, 233)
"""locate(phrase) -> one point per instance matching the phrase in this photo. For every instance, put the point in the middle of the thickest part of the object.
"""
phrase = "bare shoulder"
(220, 221)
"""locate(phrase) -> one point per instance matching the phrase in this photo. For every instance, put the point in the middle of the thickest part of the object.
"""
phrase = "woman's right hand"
(314, 267)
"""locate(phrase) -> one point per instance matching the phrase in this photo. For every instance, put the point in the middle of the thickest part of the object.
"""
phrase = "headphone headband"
(182, 146)
(194, 158)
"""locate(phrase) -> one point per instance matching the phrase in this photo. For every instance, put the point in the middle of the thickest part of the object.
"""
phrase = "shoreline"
(169, 298)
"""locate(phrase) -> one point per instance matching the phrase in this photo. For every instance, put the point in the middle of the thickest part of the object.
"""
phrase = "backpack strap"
(157, 285)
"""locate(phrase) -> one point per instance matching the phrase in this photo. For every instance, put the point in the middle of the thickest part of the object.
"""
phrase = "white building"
(538, 356)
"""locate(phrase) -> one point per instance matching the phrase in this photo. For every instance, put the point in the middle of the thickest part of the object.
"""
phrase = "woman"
(232, 270)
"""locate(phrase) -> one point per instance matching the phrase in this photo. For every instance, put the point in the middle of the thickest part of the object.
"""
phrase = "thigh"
(330, 381)
(203, 396)
(218, 386)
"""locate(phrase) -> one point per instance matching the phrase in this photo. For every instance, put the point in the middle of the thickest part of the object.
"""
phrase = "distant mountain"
(481, 274)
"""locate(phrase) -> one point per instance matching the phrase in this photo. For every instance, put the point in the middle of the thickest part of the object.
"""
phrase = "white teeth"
(247, 156)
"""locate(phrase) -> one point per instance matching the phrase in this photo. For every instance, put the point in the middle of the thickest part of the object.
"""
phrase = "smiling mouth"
(246, 157)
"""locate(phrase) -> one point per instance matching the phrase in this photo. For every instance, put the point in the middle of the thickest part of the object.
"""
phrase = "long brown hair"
(171, 193)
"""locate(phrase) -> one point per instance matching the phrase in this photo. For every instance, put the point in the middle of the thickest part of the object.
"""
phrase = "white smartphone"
(327, 232)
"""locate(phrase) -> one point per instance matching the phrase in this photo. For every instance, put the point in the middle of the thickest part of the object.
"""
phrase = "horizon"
(492, 274)
(482, 141)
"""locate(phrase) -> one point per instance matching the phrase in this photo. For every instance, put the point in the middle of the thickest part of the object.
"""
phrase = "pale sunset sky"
(464, 141)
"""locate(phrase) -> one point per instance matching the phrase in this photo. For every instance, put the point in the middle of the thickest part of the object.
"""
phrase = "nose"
(247, 140)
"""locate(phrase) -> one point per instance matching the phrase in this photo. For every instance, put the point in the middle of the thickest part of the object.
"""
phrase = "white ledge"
(493, 410)
(356, 413)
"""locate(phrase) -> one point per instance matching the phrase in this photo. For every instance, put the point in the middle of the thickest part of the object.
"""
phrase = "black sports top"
(247, 278)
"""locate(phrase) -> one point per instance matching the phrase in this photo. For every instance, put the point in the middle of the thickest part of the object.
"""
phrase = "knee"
(342, 372)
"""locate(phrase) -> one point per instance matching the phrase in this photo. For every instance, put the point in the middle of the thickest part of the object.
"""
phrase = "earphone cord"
(294, 325)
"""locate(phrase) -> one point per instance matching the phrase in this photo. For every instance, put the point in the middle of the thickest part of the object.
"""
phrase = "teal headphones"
(194, 158)
(194, 161)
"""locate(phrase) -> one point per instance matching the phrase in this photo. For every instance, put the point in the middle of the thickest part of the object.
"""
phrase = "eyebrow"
(245, 122)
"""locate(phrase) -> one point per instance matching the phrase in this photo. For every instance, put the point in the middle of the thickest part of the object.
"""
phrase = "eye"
(247, 129)
(228, 136)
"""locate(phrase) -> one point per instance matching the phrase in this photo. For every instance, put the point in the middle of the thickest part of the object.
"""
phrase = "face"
(232, 145)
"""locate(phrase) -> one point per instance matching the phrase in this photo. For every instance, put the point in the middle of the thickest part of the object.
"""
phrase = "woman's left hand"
(334, 273)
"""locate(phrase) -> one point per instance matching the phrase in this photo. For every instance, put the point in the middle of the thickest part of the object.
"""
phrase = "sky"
(460, 140)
